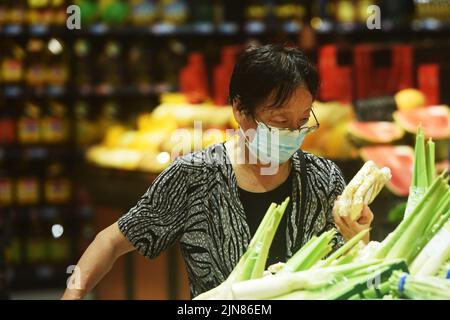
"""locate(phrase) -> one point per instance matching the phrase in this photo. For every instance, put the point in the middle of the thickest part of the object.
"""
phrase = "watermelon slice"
(375, 131)
(435, 121)
(397, 158)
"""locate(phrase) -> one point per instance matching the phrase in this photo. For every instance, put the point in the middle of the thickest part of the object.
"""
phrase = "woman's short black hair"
(277, 70)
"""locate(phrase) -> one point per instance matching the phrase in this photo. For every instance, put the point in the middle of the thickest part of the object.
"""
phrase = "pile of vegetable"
(362, 189)
(412, 262)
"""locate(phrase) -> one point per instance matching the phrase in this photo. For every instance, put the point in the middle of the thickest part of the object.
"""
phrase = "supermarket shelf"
(157, 30)
(46, 209)
(35, 152)
(15, 91)
(207, 29)
(18, 92)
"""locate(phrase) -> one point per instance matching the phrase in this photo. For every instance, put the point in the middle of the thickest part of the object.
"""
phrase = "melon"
(408, 99)
(397, 158)
(374, 132)
(435, 121)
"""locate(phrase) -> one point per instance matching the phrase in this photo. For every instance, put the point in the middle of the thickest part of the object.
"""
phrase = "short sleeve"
(337, 185)
(157, 220)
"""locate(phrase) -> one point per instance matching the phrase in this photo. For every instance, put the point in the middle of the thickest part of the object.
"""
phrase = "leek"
(252, 263)
(271, 287)
(435, 253)
(422, 288)
(351, 279)
(313, 251)
(259, 246)
(345, 248)
(401, 243)
(419, 183)
(431, 167)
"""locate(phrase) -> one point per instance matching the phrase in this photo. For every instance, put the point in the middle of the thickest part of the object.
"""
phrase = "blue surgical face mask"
(273, 144)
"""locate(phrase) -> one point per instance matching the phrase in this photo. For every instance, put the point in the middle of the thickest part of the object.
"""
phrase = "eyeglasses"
(299, 130)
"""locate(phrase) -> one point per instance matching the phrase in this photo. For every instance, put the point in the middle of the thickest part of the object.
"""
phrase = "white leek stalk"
(435, 253)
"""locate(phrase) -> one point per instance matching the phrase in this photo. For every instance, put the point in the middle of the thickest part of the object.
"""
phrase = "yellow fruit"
(113, 135)
(408, 99)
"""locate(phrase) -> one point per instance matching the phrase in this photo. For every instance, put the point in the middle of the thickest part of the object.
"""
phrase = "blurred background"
(89, 116)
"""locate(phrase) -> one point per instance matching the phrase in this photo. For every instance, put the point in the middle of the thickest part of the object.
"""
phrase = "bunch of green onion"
(420, 287)
(416, 230)
(253, 262)
(424, 170)
(434, 254)
(333, 282)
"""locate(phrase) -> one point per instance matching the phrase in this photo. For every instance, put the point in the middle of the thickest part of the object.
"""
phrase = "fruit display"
(174, 128)
(409, 99)
(331, 139)
(435, 121)
(374, 132)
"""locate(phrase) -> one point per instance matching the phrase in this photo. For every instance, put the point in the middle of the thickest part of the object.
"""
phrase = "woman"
(213, 200)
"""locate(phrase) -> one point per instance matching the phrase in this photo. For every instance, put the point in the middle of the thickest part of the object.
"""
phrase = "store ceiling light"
(55, 46)
(57, 230)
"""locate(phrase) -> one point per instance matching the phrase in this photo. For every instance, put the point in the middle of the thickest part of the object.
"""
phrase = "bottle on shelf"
(345, 13)
(362, 12)
(83, 73)
(109, 69)
(108, 117)
(85, 128)
(290, 15)
(36, 63)
(59, 14)
(39, 12)
(15, 12)
(257, 14)
(55, 123)
(3, 13)
(28, 185)
(57, 185)
(144, 12)
(12, 63)
(139, 66)
(57, 66)
(89, 11)
(29, 124)
(322, 15)
(174, 12)
(114, 12)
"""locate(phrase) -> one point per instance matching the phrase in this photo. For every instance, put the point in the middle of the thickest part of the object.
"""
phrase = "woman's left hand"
(349, 228)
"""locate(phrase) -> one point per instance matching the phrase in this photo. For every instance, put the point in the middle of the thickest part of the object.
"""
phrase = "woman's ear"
(239, 115)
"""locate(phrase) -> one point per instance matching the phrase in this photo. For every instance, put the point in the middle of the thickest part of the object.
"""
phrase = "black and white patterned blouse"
(196, 201)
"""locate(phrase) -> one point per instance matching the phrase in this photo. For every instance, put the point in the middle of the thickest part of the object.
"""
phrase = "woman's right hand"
(96, 262)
